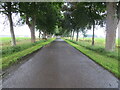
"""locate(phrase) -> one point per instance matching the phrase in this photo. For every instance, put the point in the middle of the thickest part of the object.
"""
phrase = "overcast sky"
(24, 29)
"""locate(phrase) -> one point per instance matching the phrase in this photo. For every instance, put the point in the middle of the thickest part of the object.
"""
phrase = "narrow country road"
(59, 65)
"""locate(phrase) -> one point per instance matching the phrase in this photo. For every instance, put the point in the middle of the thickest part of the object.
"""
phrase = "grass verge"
(13, 58)
(108, 63)
(6, 51)
(98, 48)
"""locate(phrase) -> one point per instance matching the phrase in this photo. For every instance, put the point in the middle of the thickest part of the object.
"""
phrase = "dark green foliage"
(5, 10)
(49, 17)
(118, 10)
(80, 16)
(10, 50)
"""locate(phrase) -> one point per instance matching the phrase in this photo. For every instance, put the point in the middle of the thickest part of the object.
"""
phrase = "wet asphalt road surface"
(59, 65)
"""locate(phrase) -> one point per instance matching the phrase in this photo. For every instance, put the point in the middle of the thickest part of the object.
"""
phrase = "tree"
(73, 35)
(67, 20)
(49, 18)
(8, 8)
(67, 23)
(111, 25)
(80, 17)
(95, 13)
(29, 12)
(83, 30)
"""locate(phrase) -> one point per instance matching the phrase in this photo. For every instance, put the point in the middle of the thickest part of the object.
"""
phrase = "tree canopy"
(64, 18)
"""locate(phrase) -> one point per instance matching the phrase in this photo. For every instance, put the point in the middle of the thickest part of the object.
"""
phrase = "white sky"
(24, 29)
(18, 30)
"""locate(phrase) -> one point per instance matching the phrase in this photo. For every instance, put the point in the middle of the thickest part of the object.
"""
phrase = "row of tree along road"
(42, 16)
(65, 18)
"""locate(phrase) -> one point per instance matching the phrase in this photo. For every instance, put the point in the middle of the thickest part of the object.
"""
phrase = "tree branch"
(27, 21)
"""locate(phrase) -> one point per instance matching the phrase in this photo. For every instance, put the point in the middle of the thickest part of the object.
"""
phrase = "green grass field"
(9, 38)
(98, 41)
(6, 41)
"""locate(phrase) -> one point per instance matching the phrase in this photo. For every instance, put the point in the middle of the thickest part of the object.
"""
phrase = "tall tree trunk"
(77, 35)
(11, 25)
(93, 36)
(73, 35)
(32, 27)
(32, 30)
(118, 11)
(39, 34)
(44, 35)
(111, 26)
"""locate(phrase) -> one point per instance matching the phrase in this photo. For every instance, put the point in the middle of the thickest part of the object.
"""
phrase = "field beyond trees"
(6, 41)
